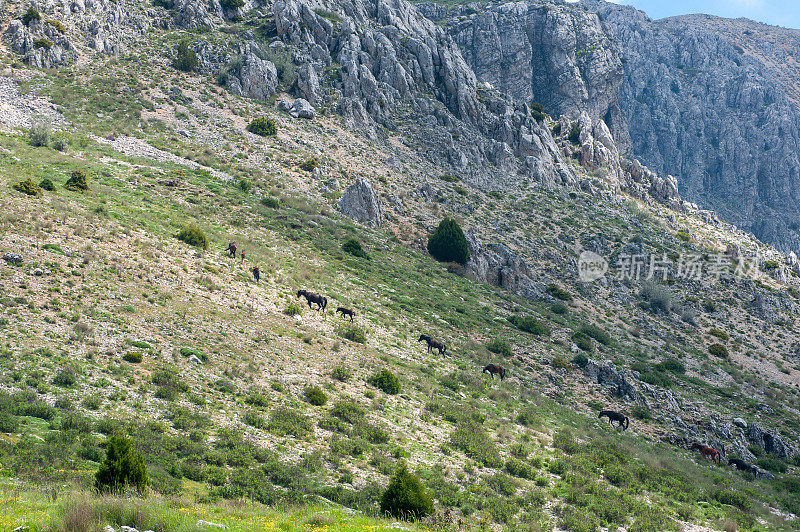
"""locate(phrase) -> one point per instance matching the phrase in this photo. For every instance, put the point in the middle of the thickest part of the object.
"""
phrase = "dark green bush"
(580, 360)
(189, 351)
(8, 422)
(558, 308)
(185, 58)
(42, 42)
(77, 182)
(406, 497)
(30, 15)
(499, 347)
(520, 469)
(315, 395)
(470, 438)
(772, 463)
(40, 132)
(47, 185)
(309, 165)
(719, 333)
(640, 412)
(269, 201)
(718, 350)
(529, 324)
(231, 4)
(263, 126)
(285, 421)
(386, 381)
(353, 247)
(123, 466)
(133, 357)
(558, 292)
(341, 374)
(448, 243)
(65, 378)
(593, 331)
(348, 411)
(583, 342)
(28, 187)
(574, 135)
(254, 419)
(194, 236)
(672, 365)
(352, 332)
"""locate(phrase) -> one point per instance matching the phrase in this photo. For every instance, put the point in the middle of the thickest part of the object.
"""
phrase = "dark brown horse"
(741, 465)
(612, 416)
(346, 312)
(493, 370)
(311, 297)
(231, 249)
(256, 273)
(433, 343)
(706, 451)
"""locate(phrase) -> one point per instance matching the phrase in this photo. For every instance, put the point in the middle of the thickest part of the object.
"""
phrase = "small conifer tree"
(122, 467)
(448, 243)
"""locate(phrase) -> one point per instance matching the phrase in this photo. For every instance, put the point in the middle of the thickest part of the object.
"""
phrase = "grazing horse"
(433, 343)
(256, 273)
(741, 465)
(346, 312)
(493, 370)
(612, 416)
(706, 451)
(231, 249)
(311, 297)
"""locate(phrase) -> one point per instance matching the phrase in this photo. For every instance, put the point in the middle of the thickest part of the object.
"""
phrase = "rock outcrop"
(362, 204)
(620, 383)
(497, 265)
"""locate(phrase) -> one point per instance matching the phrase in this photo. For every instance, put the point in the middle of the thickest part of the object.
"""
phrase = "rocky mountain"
(715, 102)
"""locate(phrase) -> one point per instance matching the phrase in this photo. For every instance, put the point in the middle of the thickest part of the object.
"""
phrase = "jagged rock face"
(499, 266)
(361, 203)
(606, 374)
(40, 44)
(769, 441)
(714, 102)
(256, 78)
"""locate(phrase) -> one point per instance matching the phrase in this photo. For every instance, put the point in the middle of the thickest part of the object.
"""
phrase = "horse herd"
(321, 302)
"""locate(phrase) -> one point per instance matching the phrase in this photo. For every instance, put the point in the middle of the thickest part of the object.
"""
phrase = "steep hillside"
(112, 325)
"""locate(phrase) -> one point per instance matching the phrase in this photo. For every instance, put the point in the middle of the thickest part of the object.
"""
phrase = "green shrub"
(231, 4)
(28, 187)
(341, 374)
(185, 58)
(580, 360)
(583, 342)
(558, 292)
(65, 378)
(771, 265)
(284, 421)
(309, 165)
(77, 182)
(59, 27)
(719, 333)
(194, 236)
(659, 297)
(42, 42)
(30, 15)
(40, 132)
(672, 365)
(499, 347)
(348, 411)
(640, 412)
(47, 185)
(529, 417)
(560, 362)
(564, 440)
(269, 201)
(718, 350)
(315, 395)
(385, 381)
(530, 325)
(772, 463)
(123, 466)
(352, 332)
(263, 126)
(189, 351)
(333, 17)
(556, 129)
(448, 243)
(470, 438)
(593, 331)
(574, 135)
(133, 357)
(520, 469)
(254, 419)
(683, 236)
(734, 498)
(353, 247)
(405, 497)
(293, 309)
(558, 308)
(8, 422)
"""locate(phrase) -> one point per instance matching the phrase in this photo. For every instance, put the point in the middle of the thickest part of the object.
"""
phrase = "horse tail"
(324, 302)
(627, 422)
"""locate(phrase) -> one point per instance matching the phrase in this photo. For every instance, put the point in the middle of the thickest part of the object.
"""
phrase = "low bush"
(77, 182)
(254, 419)
(353, 247)
(42, 42)
(293, 309)
(574, 135)
(185, 58)
(499, 347)
(530, 325)
(558, 292)
(520, 469)
(348, 411)
(284, 421)
(580, 360)
(263, 126)
(31, 15)
(271, 202)
(640, 412)
(558, 308)
(28, 187)
(189, 351)
(593, 331)
(385, 381)
(772, 463)
(309, 165)
(673, 365)
(718, 350)
(47, 184)
(583, 342)
(341, 374)
(8, 422)
(315, 395)
(405, 497)
(65, 378)
(352, 332)
(40, 132)
(123, 466)
(719, 333)
(194, 236)
(472, 439)
(133, 357)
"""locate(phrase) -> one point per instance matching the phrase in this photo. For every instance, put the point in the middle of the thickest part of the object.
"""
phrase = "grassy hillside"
(100, 342)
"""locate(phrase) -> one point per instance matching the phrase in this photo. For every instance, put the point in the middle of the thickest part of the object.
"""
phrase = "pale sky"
(784, 13)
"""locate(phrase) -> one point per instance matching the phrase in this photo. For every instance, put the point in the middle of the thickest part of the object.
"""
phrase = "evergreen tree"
(448, 244)
(185, 58)
(405, 497)
(123, 466)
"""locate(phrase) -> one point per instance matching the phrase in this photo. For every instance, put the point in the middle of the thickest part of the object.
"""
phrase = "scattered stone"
(12, 258)
(109, 528)
(739, 422)
(194, 360)
(38, 272)
(301, 108)
(201, 522)
(361, 203)
(128, 529)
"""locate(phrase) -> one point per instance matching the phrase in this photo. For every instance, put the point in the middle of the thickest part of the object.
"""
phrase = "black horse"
(311, 297)
(231, 249)
(612, 416)
(256, 273)
(741, 465)
(346, 312)
(493, 370)
(433, 343)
